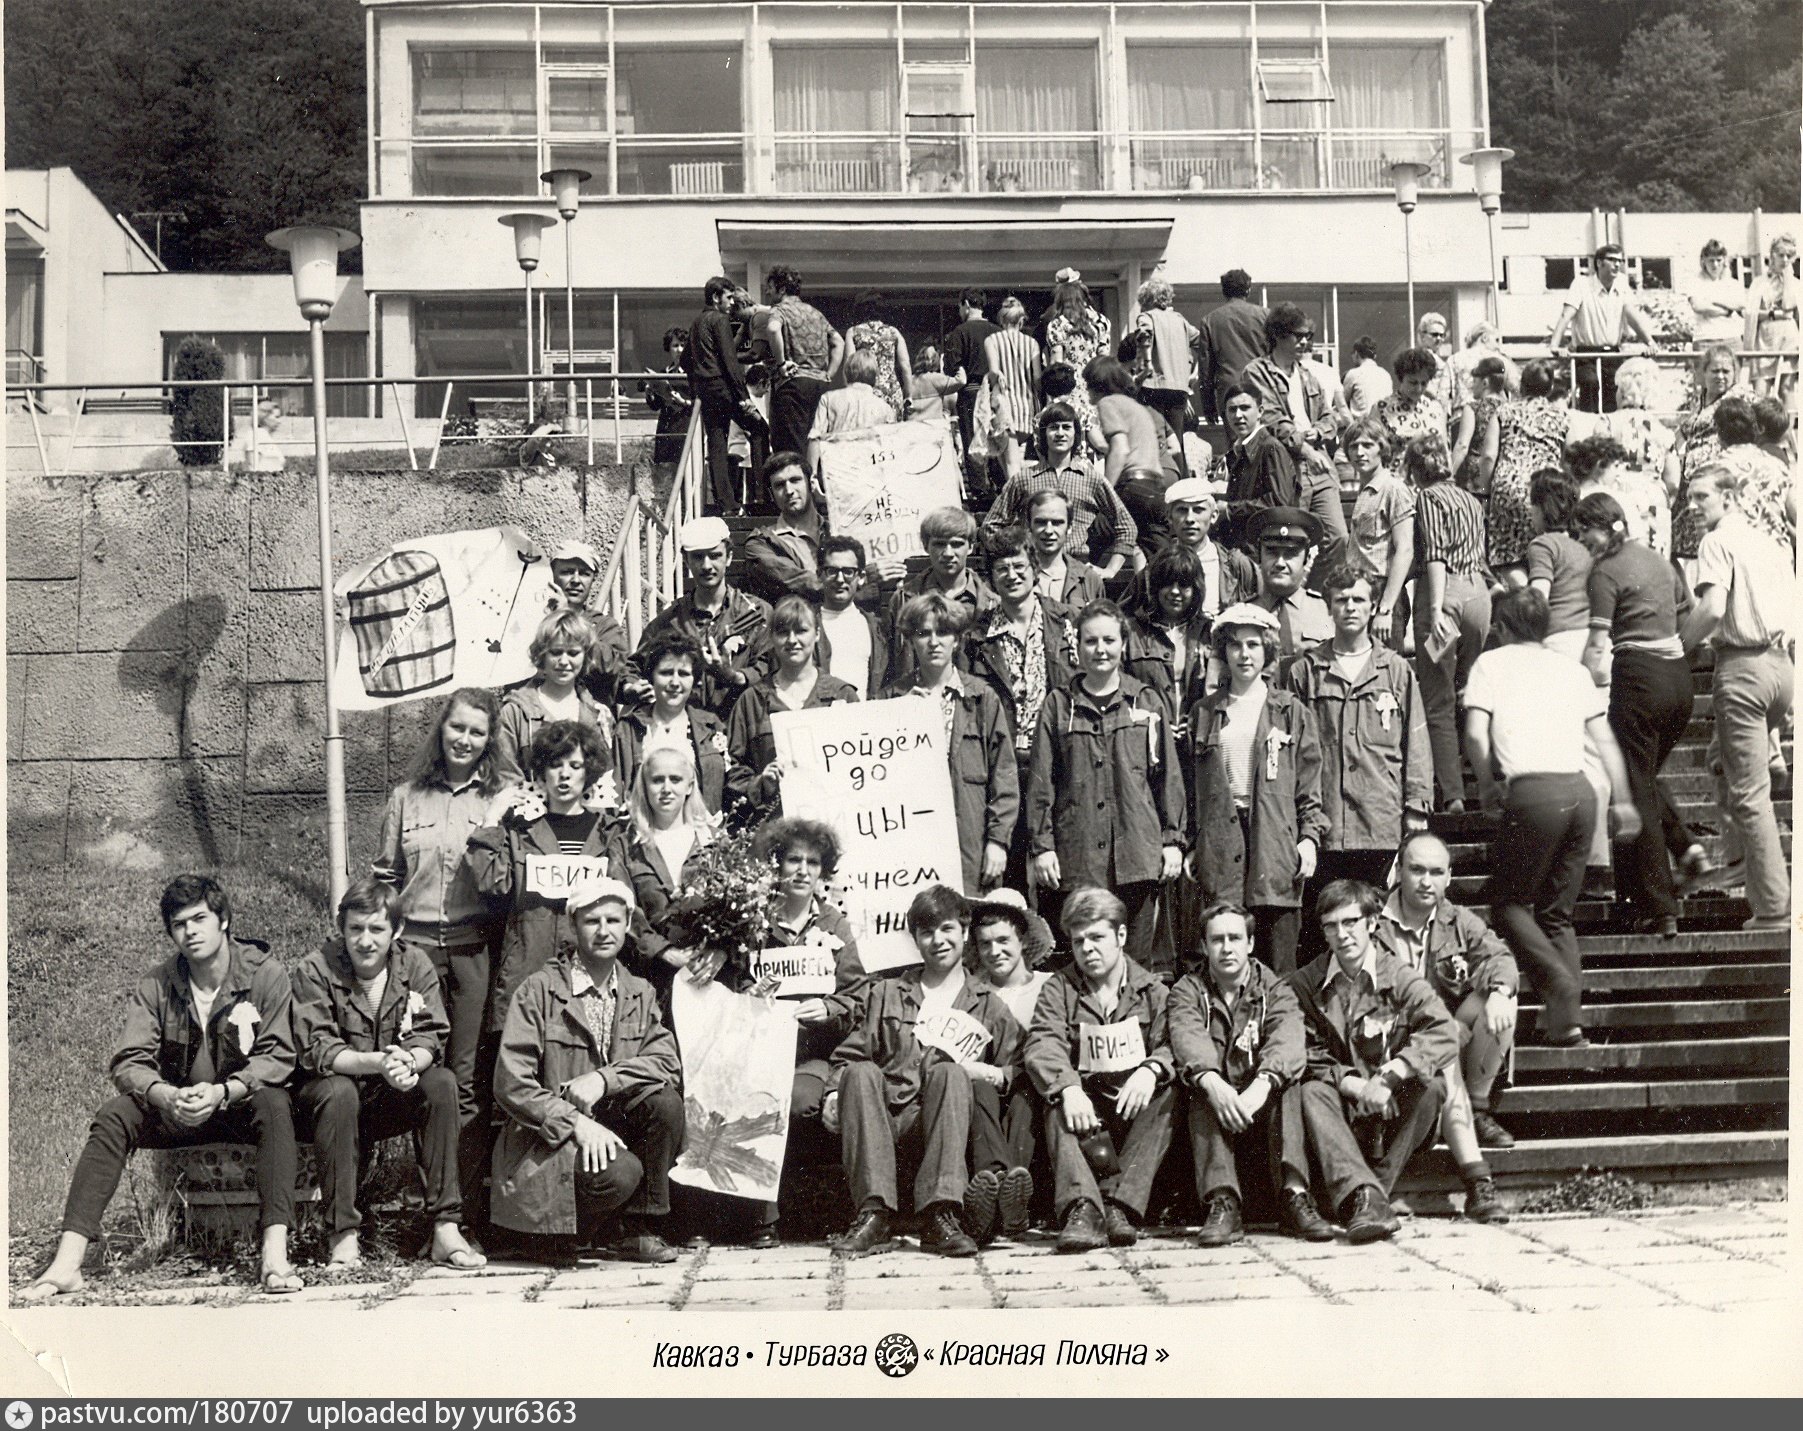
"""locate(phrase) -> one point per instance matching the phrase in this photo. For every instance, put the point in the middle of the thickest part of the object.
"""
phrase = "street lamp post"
(1488, 165)
(1406, 176)
(528, 231)
(567, 184)
(313, 257)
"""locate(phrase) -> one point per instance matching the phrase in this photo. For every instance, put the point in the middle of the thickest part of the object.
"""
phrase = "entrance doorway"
(926, 315)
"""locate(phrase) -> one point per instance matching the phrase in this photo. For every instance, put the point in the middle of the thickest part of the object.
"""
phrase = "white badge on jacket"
(553, 876)
(954, 1033)
(1110, 1048)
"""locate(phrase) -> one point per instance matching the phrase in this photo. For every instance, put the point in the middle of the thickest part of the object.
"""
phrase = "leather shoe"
(942, 1235)
(1222, 1225)
(643, 1247)
(1298, 1215)
(870, 1233)
(1122, 1230)
(1490, 1133)
(982, 1206)
(763, 1236)
(1017, 1201)
(1370, 1219)
(1083, 1230)
(1482, 1203)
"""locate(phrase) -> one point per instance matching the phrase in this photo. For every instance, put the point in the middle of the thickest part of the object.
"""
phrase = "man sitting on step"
(1377, 1038)
(1477, 980)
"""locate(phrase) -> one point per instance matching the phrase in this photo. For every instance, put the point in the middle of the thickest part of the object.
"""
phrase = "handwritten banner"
(876, 772)
(882, 481)
(738, 1065)
(954, 1033)
(553, 876)
(800, 973)
(1110, 1048)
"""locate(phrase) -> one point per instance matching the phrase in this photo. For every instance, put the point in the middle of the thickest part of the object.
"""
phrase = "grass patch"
(1590, 1191)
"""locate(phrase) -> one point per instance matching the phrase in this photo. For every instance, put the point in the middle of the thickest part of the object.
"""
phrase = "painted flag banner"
(738, 1065)
(434, 613)
(876, 772)
(882, 481)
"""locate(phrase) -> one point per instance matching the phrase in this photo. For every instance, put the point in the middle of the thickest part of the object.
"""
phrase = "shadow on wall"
(187, 631)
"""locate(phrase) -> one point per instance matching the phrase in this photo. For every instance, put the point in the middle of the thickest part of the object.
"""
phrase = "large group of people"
(1196, 726)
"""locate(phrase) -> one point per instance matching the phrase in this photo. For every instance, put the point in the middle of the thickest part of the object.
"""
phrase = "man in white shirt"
(852, 646)
(1367, 382)
(1598, 307)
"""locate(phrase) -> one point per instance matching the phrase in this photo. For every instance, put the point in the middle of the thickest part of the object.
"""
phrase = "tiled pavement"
(1707, 1258)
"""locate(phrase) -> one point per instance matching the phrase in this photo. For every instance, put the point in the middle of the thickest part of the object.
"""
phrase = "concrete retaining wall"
(163, 652)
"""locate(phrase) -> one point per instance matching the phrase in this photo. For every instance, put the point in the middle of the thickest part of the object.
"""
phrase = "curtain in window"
(1185, 87)
(842, 90)
(1388, 86)
(1035, 90)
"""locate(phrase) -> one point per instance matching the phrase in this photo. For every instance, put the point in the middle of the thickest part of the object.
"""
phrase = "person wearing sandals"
(207, 1049)
(1527, 712)
(590, 1083)
(370, 1031)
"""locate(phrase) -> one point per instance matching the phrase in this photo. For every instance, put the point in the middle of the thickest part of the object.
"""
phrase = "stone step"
(1473, 857)
(1644, 1097)
(1698, 806)
(1691, 946)
(1754, 1054)
(1636, 981)
(1694, 915)
(1677, 1018)
(1655, 1157)
(1694, 755)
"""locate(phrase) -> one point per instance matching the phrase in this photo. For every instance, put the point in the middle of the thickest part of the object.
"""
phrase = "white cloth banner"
(876, 772)
(738, 1065)
(434, 613)
(882, 481)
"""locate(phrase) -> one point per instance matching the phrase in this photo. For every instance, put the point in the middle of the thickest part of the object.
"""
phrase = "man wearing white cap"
(1228, 575)
(589, 1079)
(731, 627)
(574, 567)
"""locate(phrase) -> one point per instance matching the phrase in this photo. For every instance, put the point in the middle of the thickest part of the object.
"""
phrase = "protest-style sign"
(1110, 1048)
(876, 772)
(738, 1064)
(553, 876)
(880, 482)
(800, 971)
(954, 1033)
(434, 613)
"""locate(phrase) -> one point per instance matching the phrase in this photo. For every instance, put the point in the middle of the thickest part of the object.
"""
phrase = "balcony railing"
(1338, 160)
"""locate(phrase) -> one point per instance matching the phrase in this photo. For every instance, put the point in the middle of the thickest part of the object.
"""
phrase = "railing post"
(588, 416)
(444, 411)
(37, 431)
(225, 446)
(619, 445)
(406, 431)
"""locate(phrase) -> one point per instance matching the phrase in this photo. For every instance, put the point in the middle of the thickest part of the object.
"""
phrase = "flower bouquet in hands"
(721, 909)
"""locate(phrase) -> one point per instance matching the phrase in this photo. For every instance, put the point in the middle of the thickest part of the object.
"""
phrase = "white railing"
(644, 573)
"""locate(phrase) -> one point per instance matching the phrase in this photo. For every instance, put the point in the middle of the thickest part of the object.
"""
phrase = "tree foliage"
(243, 115)
(1648, 104)
(197, 415)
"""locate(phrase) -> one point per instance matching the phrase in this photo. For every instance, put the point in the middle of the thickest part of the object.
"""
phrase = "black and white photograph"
(729, 665)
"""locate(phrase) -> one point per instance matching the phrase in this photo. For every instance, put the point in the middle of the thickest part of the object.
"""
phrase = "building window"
(1391, 107)
(1037, 125)
(837, 116)
(1190, 107)
(677, 114)
(24, 317)
(277, 363)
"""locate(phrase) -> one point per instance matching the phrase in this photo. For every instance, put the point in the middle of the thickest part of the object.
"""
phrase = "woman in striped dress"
(1015, 367)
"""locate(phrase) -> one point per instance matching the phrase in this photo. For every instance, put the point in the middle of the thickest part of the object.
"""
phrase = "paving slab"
(618, 1274)
(1613, 1297)
(326, 1292)
(515, 1286)
(1427, 1304)
(1192, 1293)
(800, 1296)
(495, 1268)
(764, 1272)
(1124, 1296)
(910, 1299)
(1717, 1224)
(617, 1300)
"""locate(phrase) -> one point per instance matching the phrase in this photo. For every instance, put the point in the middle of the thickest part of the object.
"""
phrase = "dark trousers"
(806, 1093)
(1001, 1128)
(719, 412)
(637, 1181)
(1596, 378)
(1142, 494)
(871, 1133)
(792, 404)
(463, 979)
(1173, 405)
(349, 1116)
(1536, 875)
(1368, 1152)
(1277, 1138)
(1649, 705)
(1276, 932)
(1141, 1145)
(976, 469)
(123, 1125)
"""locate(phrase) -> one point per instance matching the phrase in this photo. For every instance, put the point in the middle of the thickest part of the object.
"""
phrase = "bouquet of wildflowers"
(723, 903)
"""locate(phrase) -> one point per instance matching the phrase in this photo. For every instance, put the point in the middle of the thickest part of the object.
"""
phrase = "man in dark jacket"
(964, 353)
(1236, 1036)
(1377, 1038)
(207, 1051)
(711, 360)
(906, 1072)
(1231, 336)
(783, 558)
(731, 628)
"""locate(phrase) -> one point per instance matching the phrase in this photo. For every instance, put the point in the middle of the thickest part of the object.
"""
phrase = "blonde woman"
(667, 822)
(1015, 368)
(1772, 318)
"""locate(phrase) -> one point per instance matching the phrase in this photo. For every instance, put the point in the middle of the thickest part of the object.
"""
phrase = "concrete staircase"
(1689, 1073)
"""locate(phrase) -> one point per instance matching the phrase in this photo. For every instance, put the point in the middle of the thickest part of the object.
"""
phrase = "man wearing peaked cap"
(574, 567)
(731, 627)
(700, 534)
(1287, 541)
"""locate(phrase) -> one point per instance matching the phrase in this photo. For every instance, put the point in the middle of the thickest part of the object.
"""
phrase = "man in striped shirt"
(1102, 529)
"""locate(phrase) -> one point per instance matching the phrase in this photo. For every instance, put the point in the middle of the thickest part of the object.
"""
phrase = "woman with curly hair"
(1412, 410)
(1529, 433)
(1717, 379)
(1075, 331)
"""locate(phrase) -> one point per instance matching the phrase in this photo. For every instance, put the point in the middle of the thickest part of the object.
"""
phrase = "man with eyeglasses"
(1599, 306)
(852, 646)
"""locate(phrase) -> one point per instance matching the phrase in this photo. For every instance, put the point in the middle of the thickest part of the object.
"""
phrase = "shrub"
(196, 419)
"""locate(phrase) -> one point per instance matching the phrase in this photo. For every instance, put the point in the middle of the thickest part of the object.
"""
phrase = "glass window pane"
(1299, 81)
(1389, 86)
(576, 104)
(1177, 88)
(477, 169)
(474, 92)
(1036, 89)
(677, 91)
(841, 89)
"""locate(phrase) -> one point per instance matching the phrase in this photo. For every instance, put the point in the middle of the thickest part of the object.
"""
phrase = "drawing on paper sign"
(738, 1057)
(876, 772)
(882, 481)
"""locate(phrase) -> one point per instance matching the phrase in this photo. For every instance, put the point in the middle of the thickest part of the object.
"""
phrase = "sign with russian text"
(553, 876)
(880, 482)
(800, 972)
(876, 772)
(738, 1063)
(954, 1033)
(1110, 1048)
